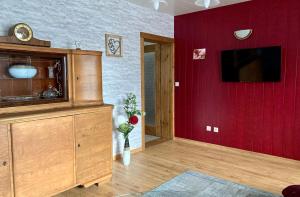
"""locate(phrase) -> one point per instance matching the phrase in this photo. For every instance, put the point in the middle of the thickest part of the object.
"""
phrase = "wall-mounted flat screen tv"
(252, 65)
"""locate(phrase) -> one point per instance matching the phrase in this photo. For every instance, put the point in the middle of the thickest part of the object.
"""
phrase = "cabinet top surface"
(44, 114)
(16, 47)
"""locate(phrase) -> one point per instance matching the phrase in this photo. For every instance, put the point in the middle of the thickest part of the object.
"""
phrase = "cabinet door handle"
(78, 145)
(77, 78)
(4, 163)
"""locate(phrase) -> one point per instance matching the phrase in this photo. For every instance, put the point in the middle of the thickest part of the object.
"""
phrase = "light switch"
(216, 129)
(208, 128)
(177, 84)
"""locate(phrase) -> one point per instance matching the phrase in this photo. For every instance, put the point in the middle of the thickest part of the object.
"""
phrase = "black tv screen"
(252, 65)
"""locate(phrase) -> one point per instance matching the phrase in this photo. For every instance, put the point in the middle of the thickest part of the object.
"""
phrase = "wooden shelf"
(28, 79)
(31, 102)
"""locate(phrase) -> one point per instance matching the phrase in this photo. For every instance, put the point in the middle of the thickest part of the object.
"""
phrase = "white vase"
(126, 156)
(126, 153)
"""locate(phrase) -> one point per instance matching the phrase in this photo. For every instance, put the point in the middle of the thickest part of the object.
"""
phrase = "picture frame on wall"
(199, 54)
(114, 45)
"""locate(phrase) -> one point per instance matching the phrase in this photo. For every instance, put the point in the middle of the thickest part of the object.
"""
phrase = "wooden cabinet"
(87, 77)
(50, 145)
(94, 146)
(43, 155)
(5, 165)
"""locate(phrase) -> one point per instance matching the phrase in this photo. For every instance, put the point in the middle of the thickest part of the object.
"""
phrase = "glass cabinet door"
(32, 78)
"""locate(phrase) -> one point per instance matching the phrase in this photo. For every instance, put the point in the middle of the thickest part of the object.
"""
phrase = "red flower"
(133, 120)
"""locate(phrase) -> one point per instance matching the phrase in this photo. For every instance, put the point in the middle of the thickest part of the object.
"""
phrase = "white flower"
(120, 120)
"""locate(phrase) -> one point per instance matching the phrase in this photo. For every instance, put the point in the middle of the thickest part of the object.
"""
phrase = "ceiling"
(178, 7)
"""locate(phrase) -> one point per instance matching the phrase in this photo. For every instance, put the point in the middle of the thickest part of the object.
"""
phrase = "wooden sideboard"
(50, 147)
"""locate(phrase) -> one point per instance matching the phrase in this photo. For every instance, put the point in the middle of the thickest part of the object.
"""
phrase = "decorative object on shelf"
(156, 3)
(207, 3)
(199, 54)
(52, 92)
(50, 72)
(22, 33)
(59, 79)
(243, 34)
(77, 45)
(113, 45)
(22, 71)
(127, 124)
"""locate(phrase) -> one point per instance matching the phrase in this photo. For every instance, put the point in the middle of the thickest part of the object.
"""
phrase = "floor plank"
(164, 161)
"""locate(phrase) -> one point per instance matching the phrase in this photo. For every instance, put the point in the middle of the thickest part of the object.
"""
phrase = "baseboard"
(194, 142)
(133, 151)
(215, 146)
(226, 148)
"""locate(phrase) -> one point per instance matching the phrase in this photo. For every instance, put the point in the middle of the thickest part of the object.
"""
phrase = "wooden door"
(5, 164)
(167, 91)
(43, 155)
(87, 78)
(156, 128)
(94, 146)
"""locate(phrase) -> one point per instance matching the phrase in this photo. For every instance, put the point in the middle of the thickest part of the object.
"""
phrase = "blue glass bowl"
(22, 71)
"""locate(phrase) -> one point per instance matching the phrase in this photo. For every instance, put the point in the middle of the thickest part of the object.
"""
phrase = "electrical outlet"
(216, 129)
(208, 128)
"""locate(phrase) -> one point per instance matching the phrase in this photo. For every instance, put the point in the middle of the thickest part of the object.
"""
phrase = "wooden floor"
(164, 161)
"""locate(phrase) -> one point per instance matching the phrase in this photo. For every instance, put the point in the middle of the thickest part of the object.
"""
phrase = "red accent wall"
(260, 117)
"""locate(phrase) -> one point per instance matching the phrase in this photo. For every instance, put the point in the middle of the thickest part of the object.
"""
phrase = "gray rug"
(194, 184)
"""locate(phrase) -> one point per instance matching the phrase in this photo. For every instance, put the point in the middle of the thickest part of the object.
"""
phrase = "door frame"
(146, 37)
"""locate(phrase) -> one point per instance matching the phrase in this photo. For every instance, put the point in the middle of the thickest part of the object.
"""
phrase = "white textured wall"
(64, 21)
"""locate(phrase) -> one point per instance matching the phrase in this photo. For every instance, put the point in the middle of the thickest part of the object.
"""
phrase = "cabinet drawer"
(94, 145)
(5, 172)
